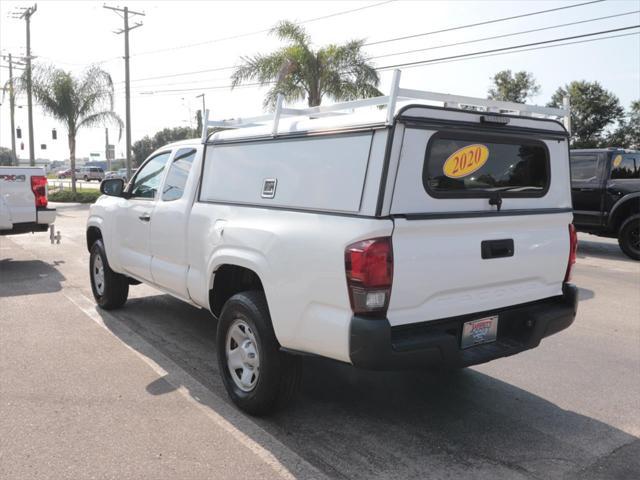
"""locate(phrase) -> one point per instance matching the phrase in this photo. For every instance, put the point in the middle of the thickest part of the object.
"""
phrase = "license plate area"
(477, 332)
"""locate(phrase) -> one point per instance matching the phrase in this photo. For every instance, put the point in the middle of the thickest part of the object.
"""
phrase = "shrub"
(82, 196)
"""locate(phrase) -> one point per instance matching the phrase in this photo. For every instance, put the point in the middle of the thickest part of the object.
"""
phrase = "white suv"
(438, 237)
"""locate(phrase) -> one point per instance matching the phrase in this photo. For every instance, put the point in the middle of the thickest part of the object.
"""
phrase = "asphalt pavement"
(135, 393)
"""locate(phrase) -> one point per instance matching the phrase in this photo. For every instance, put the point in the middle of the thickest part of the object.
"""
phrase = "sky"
(178, 38)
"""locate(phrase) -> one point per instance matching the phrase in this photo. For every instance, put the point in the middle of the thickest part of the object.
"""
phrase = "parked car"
(120, 173)
(605, 187)
(23, 201)
(412, 238)
(91, 173)
(67, 173)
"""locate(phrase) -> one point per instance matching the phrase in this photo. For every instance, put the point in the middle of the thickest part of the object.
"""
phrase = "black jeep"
(605, 187)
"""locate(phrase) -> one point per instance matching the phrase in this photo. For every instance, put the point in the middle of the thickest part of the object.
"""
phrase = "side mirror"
(113, 187)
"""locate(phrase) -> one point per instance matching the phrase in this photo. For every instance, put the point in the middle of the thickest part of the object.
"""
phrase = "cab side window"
(178, 173)
(584, 168)
(147, 180)
(625, 166)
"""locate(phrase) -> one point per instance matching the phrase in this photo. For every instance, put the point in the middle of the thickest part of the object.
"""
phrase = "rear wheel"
(629, 237)
(110, 289)
(258, 377)
(86, 179)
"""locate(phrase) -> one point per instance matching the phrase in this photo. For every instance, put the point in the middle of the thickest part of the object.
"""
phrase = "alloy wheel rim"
(243, 359)
(98, 274)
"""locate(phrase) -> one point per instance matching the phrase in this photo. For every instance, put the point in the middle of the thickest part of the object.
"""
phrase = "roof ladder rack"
(395, 94)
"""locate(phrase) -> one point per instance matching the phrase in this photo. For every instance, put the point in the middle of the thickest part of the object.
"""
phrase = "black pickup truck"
(605, 186)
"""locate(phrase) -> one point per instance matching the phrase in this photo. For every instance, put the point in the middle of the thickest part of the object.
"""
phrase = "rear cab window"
(625, 166)
(477, 165)
(584, 168)
(178, 173)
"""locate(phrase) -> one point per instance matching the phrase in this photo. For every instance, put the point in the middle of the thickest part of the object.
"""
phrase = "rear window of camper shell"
(477, 165)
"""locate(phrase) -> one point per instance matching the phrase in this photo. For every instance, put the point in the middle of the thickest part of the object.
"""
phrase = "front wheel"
(258, 377)
(629, 237)
(110, 289)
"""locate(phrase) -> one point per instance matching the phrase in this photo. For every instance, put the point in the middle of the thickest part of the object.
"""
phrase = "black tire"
(629, 237)
(86, 179)
(114, 290)
(279, 372)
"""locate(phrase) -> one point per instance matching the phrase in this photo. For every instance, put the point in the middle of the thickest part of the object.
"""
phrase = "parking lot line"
(194, 392)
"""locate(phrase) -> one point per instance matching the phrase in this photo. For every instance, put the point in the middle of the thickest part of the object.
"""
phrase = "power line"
(463, 55)
(257, 32)
(516, 49)
(526, 50)
(523, 32)
(189, 82)
(231, 67)
(486, 22)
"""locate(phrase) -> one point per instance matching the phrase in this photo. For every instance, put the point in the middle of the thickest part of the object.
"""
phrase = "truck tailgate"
(439, 271)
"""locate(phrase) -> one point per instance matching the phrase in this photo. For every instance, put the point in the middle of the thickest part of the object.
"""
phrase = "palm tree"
(86, 101)
(341, 72)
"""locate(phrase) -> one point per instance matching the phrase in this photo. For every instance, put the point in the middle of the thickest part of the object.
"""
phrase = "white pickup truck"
(409, 237)
(23, 201)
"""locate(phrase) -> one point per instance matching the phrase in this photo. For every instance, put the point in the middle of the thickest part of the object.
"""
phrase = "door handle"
(496, 248)
(145, 217)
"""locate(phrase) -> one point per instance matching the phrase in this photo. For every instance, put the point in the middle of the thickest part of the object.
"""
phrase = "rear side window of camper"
(460, 165)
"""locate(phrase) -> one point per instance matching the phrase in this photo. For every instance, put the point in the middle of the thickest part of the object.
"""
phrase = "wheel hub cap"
(98, 274)
(243, 359)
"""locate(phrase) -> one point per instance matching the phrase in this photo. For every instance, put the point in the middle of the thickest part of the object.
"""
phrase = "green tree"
(627, 135)
(147, 145)
(198, 121)
(6, 157)
(340, 72)
(508, 87)
(593, 109)
(78, 103)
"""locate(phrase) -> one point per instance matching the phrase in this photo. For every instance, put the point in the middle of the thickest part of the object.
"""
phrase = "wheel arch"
(229, 279)
(93, 233)
(625, 207)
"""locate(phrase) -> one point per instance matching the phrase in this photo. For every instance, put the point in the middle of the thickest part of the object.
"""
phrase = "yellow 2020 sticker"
(617, 161)
(465, 161)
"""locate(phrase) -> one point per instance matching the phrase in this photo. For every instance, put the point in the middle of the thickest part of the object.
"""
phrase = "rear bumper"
(44, 218)
(375, 345)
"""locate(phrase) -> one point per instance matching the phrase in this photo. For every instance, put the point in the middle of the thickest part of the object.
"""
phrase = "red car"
(67, 173)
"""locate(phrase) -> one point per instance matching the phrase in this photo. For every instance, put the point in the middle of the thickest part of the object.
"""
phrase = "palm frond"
(287, 30)
(99, 119)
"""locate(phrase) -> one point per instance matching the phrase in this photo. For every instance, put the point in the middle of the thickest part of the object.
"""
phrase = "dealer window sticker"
(465, 161)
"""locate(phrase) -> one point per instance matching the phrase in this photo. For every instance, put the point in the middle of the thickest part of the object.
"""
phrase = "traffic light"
(54, 134)
(18, 132)
(21, 145)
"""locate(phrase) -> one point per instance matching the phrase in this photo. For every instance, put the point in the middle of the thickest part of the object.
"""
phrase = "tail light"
(573, 247)
(39, 188)
(369, 267)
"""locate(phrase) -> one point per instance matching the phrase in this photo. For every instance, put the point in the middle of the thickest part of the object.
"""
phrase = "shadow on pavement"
(601, 249)
(358, 424)
(585, 294)
(28, 277)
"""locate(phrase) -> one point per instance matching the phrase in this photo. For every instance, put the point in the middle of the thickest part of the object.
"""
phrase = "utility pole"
(27, 13)
(12, 106)
(203, 107)
(127, 86)
(107, 155)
